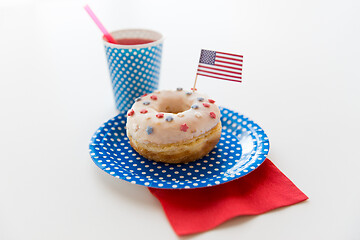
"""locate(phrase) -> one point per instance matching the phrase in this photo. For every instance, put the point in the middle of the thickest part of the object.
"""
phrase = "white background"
(301, 84)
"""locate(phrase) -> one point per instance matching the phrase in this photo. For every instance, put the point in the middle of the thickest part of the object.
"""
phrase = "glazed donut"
(173, 126)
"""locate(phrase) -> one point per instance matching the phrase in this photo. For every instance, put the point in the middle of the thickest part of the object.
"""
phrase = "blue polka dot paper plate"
(243, 146)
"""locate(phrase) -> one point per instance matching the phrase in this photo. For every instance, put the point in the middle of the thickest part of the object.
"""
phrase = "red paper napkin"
(196, 210)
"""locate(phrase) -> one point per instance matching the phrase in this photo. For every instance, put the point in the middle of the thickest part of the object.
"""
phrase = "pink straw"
(98, 23)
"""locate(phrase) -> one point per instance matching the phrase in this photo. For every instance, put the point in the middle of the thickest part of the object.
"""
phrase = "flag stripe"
(223, 55)
(231, 54)
(234, 59)
(237, 64)
(228, 67)
(218, 69)
(219, 78)
(221, 74)
(227, 61)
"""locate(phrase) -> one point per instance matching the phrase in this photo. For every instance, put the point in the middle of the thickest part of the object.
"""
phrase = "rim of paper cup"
(154, 43)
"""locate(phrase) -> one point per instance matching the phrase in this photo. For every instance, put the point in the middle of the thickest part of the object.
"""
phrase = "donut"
(173, 126)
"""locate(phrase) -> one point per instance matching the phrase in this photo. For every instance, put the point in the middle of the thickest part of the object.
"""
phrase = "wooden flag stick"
(195, 83)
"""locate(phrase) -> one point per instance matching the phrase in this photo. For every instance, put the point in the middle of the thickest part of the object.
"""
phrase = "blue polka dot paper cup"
(134, 69)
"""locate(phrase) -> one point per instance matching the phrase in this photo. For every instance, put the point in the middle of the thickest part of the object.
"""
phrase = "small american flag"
(220, 65)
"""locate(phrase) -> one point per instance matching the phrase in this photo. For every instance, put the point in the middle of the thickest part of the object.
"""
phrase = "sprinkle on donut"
(149, 130)
(160, 115)
(179, 89)
(184, 127)
(211, 101)
(131, 112)
(212, 115)
(137, 99)
(169, 118)
(144, 95)
(143, 111)
(206, 105)
(200, 99)
(194, 106)
(146, 103)
(153, 97)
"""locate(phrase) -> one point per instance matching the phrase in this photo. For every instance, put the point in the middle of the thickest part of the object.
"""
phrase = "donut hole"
(173, 104)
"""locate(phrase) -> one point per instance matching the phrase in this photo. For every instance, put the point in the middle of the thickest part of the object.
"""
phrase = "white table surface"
(301, 84)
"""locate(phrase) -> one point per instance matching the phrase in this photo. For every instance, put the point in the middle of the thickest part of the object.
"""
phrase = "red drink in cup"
(133, 41)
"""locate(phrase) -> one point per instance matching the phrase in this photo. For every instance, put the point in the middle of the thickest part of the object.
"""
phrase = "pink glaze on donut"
(171, 117)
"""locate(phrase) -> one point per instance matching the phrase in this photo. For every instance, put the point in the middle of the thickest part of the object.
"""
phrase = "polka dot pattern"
(133, 72)
(243, 146)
